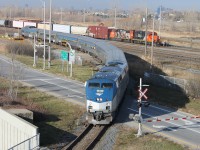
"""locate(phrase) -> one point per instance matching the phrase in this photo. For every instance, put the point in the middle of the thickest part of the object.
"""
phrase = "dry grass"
(55, 118)
(127, 140)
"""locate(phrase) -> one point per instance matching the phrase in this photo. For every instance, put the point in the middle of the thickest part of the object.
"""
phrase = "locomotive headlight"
(89, 107)
(99, 99)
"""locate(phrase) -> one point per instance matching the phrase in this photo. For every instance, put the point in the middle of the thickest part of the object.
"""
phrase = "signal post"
(141, 94)
(138, 117)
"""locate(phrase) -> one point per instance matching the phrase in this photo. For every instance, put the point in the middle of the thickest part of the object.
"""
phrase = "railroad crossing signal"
(142, 93)
(138, 117)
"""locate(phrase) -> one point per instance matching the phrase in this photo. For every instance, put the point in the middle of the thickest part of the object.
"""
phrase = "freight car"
(98, 32)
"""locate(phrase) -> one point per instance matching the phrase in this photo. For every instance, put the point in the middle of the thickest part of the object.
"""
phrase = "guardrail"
(32, 143)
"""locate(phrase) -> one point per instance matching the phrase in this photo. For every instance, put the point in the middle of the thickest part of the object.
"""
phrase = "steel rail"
(78, 139)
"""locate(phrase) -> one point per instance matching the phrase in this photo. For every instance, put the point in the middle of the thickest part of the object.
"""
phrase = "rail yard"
(101, 84)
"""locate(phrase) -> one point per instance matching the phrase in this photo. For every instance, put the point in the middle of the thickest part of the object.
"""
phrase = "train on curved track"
(105, 89)
(99, 32)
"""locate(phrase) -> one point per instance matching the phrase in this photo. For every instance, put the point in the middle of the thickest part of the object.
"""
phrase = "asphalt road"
(182, 131)
(186, 132)
(70, 90)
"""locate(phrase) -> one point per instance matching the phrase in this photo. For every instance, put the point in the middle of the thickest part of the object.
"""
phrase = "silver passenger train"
(105, 89)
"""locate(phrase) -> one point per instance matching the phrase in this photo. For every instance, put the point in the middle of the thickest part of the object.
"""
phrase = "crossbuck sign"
(142, 94)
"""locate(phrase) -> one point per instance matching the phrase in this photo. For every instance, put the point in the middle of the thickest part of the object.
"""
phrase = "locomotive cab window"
(107, 85)
(94, 85)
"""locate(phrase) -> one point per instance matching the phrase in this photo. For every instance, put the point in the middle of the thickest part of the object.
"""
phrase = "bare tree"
(15, 75)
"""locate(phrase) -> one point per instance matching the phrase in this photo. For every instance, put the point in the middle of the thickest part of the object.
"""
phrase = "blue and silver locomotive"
(104, 92)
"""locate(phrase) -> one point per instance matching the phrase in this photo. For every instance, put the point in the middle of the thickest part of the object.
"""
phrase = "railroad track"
(176, 53)
(88, 138)
(172, 47)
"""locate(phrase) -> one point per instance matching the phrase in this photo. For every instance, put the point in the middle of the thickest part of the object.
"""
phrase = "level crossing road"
(64, 88)
(183, 131)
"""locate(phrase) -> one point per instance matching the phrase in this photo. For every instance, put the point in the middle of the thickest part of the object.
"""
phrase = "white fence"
(14, 130)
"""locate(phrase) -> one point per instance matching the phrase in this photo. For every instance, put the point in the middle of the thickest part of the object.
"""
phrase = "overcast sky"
(102, 4)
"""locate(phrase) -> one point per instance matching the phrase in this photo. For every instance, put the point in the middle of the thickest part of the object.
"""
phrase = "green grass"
(126, 140)
(80, 73)
(55, 117)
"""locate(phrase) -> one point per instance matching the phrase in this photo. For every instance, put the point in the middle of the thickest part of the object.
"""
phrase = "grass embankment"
(23, 52)
(55, 118)
(80, 73)
(164, 96)
(175, 99)
(127, 140)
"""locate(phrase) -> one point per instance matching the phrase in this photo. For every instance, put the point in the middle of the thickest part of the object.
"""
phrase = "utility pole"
(84, 15)
(34, 63)
(146, 33)
(160, 20)
(50, 24)
(61, 17)
(10, 13)
(44, 37)
(115, 14)
(152, 44)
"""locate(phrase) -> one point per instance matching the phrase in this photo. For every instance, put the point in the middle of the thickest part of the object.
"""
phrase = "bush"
(20, 48)
(26, 48)
(194, 88)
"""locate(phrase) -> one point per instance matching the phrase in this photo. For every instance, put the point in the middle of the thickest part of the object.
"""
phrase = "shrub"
(26, 48)
(194, 87)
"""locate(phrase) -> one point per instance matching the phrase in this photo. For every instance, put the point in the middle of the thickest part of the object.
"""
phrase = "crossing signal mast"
(140, 103)
(138, 117)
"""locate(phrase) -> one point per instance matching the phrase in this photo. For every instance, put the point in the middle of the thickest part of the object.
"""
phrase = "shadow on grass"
(171, 98)
(50, 135)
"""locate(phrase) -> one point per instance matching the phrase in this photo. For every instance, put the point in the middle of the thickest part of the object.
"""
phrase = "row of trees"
(171, 21)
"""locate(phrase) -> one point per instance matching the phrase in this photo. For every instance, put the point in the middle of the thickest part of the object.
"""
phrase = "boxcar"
(98, 32)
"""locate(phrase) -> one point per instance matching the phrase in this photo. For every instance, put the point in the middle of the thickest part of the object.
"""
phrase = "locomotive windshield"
(107, 85)
(94, 85)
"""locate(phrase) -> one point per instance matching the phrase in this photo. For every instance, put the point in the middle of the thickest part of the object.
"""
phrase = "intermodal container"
(99, 32)
(62, 28)
(2, 23)
(34, 24)
(18, 24)
(42, 26)
(78, 30)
